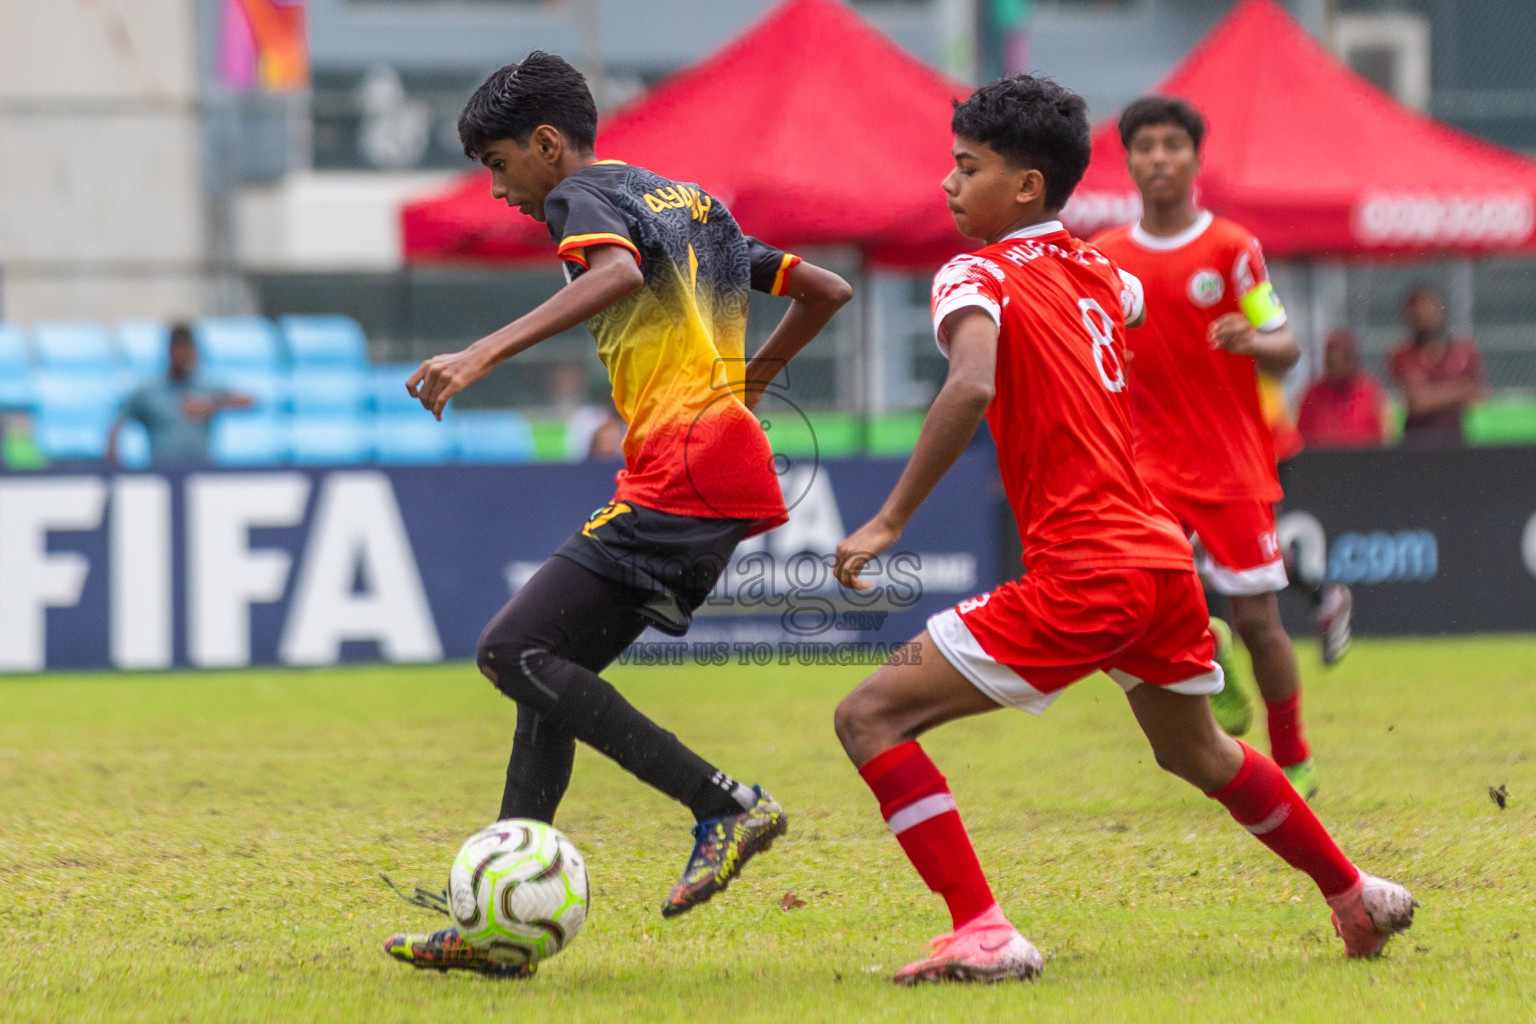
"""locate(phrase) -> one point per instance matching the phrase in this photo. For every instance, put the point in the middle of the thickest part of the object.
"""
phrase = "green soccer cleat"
(1303, 776)
(721, 848)
(1232, 708)
(446, 950)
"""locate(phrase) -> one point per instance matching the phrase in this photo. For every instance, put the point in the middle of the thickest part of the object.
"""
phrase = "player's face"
(987, 195)
(522, 174)
(1163, 162)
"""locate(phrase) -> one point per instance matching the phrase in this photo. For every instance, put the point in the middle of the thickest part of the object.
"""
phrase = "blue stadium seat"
(226, 344)
(13, 348)
(70, 346)
(493, 435)
(15, 369)
(133, 445)
(92, 393)
(63, 433)
(389, 395)
(416, 439)
(142, 346)
(329, 392)
(249, 439)
(329, 440)
(336, 341)
(268, 390)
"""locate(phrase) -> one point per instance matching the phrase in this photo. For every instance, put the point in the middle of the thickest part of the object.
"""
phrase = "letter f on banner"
(32, 578)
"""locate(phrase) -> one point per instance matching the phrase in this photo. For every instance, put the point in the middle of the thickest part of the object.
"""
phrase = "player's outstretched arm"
(818, 294)
(611, 277)
(951, 422)
(1274, 351)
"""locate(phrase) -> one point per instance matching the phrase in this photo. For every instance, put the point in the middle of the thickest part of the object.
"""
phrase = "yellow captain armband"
(1262, 307)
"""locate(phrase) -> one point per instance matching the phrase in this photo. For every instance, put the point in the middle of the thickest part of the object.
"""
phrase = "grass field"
(204, 847)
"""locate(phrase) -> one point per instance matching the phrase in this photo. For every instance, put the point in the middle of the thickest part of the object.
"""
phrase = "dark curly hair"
(543, 89)
(1151, 110)
(1031, 122)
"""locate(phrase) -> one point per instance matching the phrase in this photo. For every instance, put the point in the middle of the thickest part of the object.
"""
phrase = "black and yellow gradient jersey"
(675, 349)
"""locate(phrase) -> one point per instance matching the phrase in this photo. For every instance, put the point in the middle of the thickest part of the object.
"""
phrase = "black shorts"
(668, 562)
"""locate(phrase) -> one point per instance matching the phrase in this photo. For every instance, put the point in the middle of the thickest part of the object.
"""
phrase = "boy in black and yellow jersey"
(661, 274)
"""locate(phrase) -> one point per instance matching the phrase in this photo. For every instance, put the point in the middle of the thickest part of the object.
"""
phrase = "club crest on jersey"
(1206, 288)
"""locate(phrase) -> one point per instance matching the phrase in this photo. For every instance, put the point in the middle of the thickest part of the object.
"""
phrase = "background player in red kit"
(1213, 324)
(1034, 327)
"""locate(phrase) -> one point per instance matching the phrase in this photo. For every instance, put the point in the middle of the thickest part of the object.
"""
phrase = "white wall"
(101, 203)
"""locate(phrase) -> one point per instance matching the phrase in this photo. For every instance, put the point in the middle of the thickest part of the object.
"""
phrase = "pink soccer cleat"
(1371, 912)
(987, 948)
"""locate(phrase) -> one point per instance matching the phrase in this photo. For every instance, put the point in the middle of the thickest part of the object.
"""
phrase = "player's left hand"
(1233, 333)
(440, 378)
(858, 548)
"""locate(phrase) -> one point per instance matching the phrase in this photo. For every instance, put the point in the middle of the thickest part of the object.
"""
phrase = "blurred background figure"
(1345, 407)
(592, 429)
(1441, 377)
(608, 439)
(177, 409)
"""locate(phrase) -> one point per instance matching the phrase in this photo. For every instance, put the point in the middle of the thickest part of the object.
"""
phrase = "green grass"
(203, 847)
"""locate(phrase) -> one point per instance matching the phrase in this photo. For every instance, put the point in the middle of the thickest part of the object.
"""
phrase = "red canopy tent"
(812, 127)
(1317, 161)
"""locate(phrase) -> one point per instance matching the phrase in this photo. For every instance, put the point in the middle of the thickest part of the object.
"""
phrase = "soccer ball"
(518, 891)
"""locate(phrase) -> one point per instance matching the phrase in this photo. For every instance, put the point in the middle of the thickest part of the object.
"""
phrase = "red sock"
(916, 804)
(1264, 802)
(1287, 742)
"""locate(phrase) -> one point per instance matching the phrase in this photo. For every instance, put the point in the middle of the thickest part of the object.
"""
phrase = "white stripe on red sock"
(919, 811)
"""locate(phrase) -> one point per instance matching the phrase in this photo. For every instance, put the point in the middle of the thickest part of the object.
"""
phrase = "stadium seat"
(336, 341)
(414, 439)
(90, 393)
(329, 392)
(70, 346)
(133, 445)
(267, 389)
(227, 344)
(329, 440)
(15, 369)
(493, 435)
(142, 347)
(249, 439)
(389, 395)
(63, 433)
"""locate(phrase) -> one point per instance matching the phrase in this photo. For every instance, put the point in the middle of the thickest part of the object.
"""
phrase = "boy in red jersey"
(661, 273)
(1213, 325)
(1033, 325)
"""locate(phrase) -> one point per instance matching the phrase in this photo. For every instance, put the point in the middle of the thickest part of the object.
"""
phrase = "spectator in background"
(1440, 377)
(1345, 407)
(177, 409)
(592, 430)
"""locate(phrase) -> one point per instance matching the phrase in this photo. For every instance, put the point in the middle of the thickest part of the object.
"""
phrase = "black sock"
(721, 795)
(544, 650)
(594, 712)
(539, 769)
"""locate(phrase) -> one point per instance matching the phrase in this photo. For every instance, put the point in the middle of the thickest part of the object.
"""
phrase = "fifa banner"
(1430, 541)
(316, 566)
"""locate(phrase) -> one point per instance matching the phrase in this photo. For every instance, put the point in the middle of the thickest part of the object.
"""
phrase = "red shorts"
(1031, 638)
(1237, 548)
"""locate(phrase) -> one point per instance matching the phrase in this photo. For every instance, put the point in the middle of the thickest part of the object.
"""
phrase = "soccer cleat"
(721, 848)
(1334, 621)
(1232, 708)
(446, 950)
(1303, 778)
(985, 949)
(1371, 912)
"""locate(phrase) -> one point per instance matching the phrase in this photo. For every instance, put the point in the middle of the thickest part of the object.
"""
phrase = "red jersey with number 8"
(1061, 415)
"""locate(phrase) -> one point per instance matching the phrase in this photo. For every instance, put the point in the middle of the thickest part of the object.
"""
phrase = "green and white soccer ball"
(518, 891)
